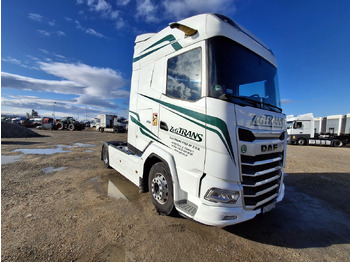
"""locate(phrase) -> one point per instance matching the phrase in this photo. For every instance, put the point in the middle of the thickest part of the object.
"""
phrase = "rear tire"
(71, 127)
(337, 143)
(160, 185)
(105, 156)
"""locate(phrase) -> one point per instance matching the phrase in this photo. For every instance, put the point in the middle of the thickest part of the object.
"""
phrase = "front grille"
(261, 178)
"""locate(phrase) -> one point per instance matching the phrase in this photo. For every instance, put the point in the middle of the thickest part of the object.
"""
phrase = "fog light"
(221, 195)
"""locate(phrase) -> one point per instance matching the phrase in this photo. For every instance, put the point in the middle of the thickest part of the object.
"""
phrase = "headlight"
(221, 195)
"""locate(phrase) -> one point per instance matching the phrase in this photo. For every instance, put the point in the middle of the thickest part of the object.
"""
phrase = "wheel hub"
(160, 188)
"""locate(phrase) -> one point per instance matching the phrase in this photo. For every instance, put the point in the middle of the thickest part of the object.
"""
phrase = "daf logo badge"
(244, 149)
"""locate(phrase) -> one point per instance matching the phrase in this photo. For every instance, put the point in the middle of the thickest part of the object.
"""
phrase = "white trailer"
(206, 135)
(307, 130)
(110, 123)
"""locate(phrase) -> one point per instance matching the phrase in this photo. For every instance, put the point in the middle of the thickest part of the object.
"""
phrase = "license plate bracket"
(269, 207)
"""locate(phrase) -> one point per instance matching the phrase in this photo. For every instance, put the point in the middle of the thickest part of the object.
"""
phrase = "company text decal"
(267, 121)
(188, 134)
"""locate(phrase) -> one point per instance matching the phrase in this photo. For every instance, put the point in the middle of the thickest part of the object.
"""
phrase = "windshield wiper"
(273, 107)
(244, 99)
(253, 102)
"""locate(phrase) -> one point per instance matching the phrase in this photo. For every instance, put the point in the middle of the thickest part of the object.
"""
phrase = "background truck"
(330, 130)
(69, 123)
(206, 135)
(110, 123)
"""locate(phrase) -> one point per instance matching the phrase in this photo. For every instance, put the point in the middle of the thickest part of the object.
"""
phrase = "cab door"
(182, 115)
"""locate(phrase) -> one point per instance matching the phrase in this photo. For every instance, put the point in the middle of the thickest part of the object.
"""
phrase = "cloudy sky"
(73, 57)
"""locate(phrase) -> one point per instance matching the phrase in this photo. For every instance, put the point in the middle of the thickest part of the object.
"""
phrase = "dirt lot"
(55, 207)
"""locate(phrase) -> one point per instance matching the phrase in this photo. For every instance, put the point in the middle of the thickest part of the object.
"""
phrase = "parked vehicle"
(37, 121)
(27, 123)
(331, 130)
(69, 123)
(48, 126)
(206, 135)
(110, 123)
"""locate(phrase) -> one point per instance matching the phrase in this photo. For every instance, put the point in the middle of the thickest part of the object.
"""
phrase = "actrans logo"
(268, 121)
(185, 133)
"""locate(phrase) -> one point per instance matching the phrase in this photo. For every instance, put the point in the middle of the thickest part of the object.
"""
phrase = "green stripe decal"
(211, 120)
(169, 38)
(144, 130)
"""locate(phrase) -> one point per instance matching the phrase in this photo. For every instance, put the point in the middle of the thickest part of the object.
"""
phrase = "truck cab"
(206, 134)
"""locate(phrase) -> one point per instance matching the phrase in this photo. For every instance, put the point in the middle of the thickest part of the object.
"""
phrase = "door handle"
(164, 126)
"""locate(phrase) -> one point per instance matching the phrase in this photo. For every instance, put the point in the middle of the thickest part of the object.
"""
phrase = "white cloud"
(88, 31)
(88, 83)
(91, 31)
(11, 60)
(33, 84)
(123, 2)
(61, 33)
(148, 11)
(91, 86)
(40, 18)
(180, 9)
(104, 8)
(154, 11)
(286, 101)
(99, 82)
(120, 23)
(35, 17)
(15, 61)
(19, 105)
(44, 32)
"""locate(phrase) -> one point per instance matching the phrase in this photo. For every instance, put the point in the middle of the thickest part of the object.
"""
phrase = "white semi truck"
(331, 130)
(110, 123)
(207, 136)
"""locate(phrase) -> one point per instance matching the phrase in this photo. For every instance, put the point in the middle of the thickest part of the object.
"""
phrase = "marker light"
(187, 30)
(221, 195)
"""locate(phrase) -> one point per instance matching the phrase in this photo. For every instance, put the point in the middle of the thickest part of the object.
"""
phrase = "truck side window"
(184, 76)
(297, 125)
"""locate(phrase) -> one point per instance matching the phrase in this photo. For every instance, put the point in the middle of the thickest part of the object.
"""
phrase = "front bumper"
(226, 216)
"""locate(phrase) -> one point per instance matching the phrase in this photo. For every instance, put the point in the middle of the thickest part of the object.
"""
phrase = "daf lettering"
(265, 148)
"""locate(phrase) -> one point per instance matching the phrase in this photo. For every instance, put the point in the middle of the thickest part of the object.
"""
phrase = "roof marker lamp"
(218, 195)
(187, 30)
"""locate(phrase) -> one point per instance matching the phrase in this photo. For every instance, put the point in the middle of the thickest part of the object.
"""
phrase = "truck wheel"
(301, 142)
(337, 143)
(160, 186)
(60, 126)
(101, 129)
(105, 156)
(71, 127)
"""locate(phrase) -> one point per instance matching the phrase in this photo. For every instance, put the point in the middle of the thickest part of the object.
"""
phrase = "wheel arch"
(157, 155)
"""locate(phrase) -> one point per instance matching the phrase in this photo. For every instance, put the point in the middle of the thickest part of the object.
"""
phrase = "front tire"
(160, 185)
(60, 126)
(301, 142)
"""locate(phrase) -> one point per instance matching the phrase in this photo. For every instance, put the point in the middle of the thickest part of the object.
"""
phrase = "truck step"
(187, 207)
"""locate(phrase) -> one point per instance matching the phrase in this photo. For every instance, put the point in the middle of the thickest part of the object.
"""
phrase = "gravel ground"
(55, 207)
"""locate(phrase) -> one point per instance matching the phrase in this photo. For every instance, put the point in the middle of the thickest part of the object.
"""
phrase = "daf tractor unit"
(331, 130)
(207, 136)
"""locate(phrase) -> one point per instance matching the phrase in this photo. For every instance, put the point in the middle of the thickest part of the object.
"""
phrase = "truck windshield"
(240, 76)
